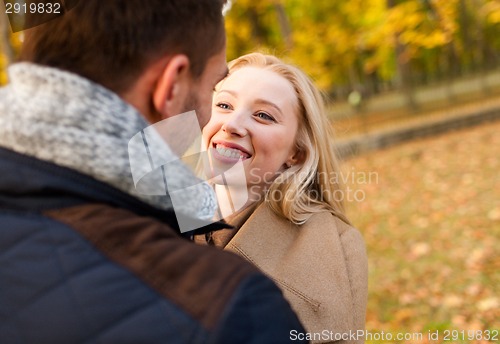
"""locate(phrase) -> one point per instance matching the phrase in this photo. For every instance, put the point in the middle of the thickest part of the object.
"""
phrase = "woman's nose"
(235, 124)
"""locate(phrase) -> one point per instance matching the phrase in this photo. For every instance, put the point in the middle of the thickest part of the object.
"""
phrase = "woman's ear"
(297, 157)
(172, 88)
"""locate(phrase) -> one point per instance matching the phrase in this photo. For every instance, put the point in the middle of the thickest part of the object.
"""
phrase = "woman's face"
(255, 119)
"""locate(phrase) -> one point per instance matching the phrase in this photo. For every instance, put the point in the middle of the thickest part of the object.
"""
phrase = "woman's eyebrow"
(233, 93)
(258, 101)
(267, 102)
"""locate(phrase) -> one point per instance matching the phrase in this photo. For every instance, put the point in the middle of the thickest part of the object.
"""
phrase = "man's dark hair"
(111, 41)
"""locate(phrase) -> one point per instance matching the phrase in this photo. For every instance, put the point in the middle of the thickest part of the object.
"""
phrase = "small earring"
(288, 165)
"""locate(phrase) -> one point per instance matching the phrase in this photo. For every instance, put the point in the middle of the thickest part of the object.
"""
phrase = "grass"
(431, 222)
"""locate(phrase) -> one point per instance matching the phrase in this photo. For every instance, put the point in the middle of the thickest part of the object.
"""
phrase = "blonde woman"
(269, 118)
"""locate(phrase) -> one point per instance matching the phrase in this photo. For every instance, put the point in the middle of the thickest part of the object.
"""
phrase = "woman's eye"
(265, 116)
(223, 106)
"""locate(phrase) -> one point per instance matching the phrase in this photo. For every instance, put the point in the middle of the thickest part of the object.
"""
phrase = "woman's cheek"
(214, 125)
(209, 131)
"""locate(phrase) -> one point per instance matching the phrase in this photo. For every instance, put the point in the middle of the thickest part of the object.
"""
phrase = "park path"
(421, 125)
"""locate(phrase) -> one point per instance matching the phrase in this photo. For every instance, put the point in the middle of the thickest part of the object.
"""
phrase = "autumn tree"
(378, 44)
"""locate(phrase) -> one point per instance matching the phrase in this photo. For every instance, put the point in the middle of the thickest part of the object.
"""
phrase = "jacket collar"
(30, 184)
(63, 118)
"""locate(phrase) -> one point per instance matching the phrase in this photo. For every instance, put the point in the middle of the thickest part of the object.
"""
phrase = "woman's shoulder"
(318, 226)
(323, 271)
(327, 222)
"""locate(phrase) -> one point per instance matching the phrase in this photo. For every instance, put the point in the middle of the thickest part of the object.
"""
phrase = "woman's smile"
(227, 152)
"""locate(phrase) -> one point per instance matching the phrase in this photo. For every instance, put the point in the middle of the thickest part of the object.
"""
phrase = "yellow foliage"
(13, 42)
(16, 39)
(491, 11)
(3, 66)
(332, 39)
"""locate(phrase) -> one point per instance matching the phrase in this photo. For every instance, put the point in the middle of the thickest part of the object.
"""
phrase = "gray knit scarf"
(65, 119)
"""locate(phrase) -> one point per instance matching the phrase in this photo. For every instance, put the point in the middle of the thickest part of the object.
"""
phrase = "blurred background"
(384, 56)
(429, 207)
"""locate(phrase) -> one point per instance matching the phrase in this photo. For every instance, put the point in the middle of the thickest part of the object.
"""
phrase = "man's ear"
(172, 88)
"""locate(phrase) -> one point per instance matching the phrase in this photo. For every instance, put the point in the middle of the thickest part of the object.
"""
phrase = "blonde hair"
(312, 185)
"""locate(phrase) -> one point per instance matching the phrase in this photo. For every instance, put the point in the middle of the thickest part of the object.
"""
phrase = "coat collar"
(223, 237)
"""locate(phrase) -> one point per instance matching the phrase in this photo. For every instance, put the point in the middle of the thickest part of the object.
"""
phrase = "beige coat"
(321, 266)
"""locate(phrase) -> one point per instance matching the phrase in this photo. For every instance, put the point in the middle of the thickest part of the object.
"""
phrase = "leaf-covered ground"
(431, 220)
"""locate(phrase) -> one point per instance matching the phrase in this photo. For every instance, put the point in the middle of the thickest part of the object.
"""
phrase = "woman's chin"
(229, 180)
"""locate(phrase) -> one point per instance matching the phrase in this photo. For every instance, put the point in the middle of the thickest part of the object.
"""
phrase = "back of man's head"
(111, 42)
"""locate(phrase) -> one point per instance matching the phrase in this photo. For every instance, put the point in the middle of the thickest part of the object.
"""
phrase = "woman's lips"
(229, 152)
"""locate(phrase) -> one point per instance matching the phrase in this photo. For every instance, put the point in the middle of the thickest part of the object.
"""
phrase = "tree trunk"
(286, 31)
(258, 32)
(5, 46)
(403, 69)
(465, 36)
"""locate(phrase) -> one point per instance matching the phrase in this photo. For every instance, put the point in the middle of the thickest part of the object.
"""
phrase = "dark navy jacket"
(82, 262)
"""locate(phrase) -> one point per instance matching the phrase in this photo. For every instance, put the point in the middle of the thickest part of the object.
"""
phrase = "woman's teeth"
(230, 152)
